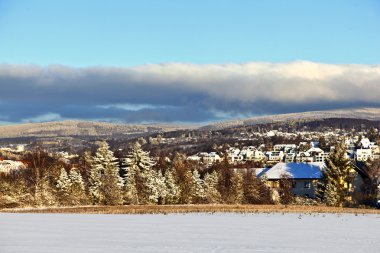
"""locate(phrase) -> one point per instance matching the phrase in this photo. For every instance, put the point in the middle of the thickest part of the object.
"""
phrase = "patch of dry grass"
(166, 209)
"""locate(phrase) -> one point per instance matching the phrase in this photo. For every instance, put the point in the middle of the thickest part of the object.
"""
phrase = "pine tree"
(64, 182)
(226, 183)
(43, 194)
(155, 186)
(251, 191)
(172, 189)
(212, 194)
(187, 186)
(64, 187)
(95, 182)
(140, 179)
(237, 188)
(106, 183)
(131, 179)
(184, 178)
(256, 190)
(70, 188)
(285, 191)
(199, 188)
(140, 158)
(331, 195)
(337, 178)
(371, 186)
(77, 190)
(161, 188)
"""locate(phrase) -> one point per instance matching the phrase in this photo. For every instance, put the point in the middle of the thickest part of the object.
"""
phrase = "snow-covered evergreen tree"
(64, 187)
(139, 158)
(212, 194)
(78, 193)
(172, 189)
(337, 178)
(331, 196)
(141, 181)
(64, 182)
(105, 181)
(131, 180)
(155, 186)
(199, 187)
(76, 179)
(95, 183)
(70, 188)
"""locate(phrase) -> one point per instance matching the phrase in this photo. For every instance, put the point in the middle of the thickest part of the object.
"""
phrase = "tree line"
(103, 179)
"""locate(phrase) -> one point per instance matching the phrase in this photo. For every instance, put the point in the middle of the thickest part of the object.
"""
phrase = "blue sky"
(130, 33)
(185, 61)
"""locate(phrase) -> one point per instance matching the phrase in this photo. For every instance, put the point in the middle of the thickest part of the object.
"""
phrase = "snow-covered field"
(73, 233)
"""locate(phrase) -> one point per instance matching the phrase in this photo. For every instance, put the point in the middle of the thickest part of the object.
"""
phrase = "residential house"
(304, 157)
(363, 154)
(305, 176)
(211, 158)
(275, 156)
(290, 157)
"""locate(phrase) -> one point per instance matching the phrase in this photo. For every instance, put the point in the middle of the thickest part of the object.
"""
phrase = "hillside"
(97, 129)
(357, 113)
(80, 128)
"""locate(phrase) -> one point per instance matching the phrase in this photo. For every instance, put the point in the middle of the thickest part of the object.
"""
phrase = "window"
(307, 185)
(275, 184)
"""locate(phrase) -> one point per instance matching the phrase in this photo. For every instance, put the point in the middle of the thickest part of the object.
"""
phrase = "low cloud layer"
(181, 92)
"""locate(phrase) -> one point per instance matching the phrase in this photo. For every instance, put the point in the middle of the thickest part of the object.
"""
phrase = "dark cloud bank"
(181, 92)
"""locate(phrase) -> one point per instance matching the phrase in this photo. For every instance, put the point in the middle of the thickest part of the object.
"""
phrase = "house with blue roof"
(305, 176)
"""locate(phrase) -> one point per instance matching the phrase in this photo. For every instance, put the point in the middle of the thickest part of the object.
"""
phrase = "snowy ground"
(189, 233)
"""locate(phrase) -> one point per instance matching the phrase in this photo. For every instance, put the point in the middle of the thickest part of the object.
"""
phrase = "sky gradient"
(185, 61)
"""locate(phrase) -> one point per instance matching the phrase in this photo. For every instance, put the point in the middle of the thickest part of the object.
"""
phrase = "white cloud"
(133, 107)
(228, 89)
(43, 118)
(286, 82)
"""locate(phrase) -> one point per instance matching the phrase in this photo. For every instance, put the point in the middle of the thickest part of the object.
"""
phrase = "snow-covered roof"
(294, 170)
(317, 150)
(8, 165)
(286, 145)
(365, 142)
(304, 154)
(363, 151)
(194, 158)
(258, 171)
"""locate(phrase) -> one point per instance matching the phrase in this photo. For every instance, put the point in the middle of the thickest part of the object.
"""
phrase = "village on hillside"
(302, 165)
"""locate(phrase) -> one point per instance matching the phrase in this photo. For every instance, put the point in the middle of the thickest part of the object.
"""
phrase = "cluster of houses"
(303, 163)
(280, 153)
(367, 150)
(359, 150)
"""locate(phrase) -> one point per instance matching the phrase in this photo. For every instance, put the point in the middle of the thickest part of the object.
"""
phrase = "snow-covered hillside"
(357, 113)
(80, 128)
(282, 233)
(87, 128)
